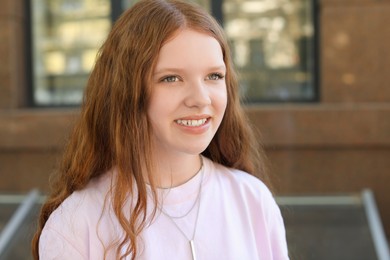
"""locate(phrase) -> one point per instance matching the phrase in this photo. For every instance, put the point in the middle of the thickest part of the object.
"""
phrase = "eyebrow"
(168, 69)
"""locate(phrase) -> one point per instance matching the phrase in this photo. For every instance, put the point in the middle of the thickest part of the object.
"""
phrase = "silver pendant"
(193, 250)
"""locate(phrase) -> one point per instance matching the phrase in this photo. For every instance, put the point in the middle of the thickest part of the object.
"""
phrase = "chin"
(195, 150)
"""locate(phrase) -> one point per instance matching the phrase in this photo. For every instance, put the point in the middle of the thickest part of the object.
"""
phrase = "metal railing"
(338, 227)
(374, 221)
(18, 226)
(313, 225)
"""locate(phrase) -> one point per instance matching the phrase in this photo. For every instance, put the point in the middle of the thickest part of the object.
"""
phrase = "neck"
(172, 171)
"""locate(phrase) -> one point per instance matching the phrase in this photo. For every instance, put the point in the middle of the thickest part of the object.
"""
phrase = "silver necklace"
(197, 201)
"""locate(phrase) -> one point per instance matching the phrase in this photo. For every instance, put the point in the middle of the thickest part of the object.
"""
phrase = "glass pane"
(272, 44)
(66, 35)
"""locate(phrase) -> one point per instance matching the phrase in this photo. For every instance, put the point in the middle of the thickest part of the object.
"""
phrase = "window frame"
(216, 9)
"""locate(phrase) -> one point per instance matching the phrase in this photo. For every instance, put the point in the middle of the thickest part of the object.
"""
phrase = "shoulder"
(84, 203)
(238, 179)
(70, 226)
(253, 203)
(244, 189)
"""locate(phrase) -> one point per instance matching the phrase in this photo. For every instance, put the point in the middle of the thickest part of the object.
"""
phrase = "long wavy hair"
(113, 129)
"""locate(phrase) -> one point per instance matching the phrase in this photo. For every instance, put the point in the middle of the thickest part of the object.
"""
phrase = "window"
(273, 45)
(66, 35)
(273, 48)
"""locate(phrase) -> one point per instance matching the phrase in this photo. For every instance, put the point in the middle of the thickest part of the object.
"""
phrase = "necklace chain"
(197, 201)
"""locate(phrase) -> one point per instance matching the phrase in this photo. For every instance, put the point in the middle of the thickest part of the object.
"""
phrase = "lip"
(194, 117)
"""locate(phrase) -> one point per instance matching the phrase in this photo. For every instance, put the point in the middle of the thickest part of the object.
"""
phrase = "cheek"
(154, 112)
(161, 108)
(156, 104)
(221, 100)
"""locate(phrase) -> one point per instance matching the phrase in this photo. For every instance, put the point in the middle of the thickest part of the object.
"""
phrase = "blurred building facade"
(339, 143)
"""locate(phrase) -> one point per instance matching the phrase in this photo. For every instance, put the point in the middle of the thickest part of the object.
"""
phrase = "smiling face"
(188, 97)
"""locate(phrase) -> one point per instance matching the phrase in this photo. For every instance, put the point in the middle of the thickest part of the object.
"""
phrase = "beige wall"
(341, 144)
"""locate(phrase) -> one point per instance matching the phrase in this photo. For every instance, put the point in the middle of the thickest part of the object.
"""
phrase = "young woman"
(161, 163)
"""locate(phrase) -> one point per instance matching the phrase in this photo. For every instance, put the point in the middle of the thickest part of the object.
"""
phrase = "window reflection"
(66, 37)
(272, 42)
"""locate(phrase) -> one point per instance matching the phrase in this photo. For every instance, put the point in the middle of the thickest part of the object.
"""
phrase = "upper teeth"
(191, 122)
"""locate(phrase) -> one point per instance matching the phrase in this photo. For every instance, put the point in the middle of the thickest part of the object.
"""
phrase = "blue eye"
(170, 79)
(215, 76)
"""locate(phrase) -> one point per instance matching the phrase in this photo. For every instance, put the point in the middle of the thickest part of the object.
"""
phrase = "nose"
(198, 95)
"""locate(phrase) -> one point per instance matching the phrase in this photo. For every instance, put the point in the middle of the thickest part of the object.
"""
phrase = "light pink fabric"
(238, 219)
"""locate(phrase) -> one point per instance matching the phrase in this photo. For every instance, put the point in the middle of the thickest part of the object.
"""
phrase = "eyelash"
(218, 75)
(167, 79)
(212, 76)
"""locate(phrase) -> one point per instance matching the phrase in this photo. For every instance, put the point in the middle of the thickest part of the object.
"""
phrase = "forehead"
(190, 48)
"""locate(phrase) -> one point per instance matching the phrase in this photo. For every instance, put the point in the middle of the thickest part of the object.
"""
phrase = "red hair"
(113, 129)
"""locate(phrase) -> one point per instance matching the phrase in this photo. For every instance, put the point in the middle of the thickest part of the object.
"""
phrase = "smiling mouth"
(198, 122)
